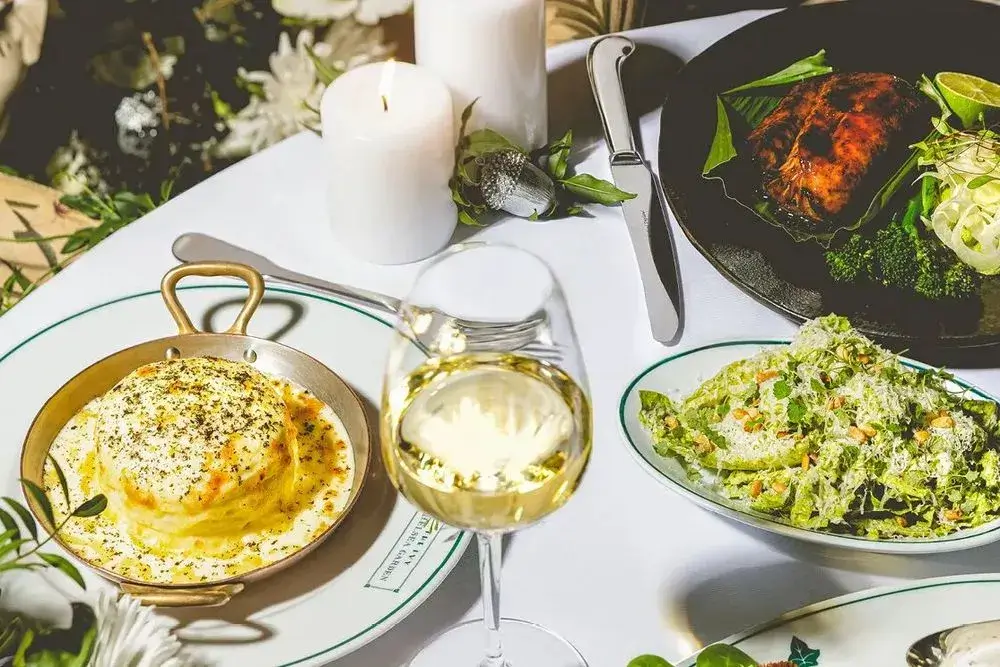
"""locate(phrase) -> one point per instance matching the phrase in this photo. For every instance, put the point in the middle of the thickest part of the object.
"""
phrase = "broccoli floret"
(853, 261)
(896, 251)
(903, 255)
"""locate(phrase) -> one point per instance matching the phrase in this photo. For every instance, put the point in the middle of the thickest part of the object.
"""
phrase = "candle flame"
(385, 86)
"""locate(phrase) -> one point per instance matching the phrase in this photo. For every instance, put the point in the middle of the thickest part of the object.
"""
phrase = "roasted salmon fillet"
(817, 147)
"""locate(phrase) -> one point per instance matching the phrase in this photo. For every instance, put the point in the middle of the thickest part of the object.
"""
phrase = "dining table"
(626, 567)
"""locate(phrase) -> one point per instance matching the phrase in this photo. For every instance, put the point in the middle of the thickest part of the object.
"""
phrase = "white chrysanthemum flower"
(71, 170)
(365, 11)
(133, 635)
(353, 44)
(291, 91)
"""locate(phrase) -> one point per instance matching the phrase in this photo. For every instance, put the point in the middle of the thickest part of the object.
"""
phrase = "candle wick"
(385, 103)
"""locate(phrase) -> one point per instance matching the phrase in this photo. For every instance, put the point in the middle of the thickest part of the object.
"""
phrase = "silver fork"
(479, 335)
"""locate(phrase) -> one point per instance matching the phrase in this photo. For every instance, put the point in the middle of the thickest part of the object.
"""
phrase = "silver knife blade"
(648, 230)
(644, 215)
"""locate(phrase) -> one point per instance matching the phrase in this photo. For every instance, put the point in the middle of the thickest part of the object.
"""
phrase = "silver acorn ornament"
(510, 182)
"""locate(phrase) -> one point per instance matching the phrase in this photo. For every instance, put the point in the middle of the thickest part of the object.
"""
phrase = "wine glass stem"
(490, 552)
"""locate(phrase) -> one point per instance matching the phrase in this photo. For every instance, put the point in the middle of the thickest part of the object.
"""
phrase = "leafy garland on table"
(572, 190)
(111, 212)
(26, 641)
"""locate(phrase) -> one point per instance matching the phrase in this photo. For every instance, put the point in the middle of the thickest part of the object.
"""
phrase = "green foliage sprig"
(573, 191)
(112, 212)
(27, 641)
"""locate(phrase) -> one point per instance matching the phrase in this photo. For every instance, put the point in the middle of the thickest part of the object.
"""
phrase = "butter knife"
(645, 215)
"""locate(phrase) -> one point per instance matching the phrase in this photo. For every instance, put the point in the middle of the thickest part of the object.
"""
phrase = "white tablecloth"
(626, 567)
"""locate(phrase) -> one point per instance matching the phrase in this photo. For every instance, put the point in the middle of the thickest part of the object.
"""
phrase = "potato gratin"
(211, 468)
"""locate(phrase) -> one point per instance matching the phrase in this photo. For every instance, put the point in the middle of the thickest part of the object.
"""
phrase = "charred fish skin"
(852, 120)
(772, 140)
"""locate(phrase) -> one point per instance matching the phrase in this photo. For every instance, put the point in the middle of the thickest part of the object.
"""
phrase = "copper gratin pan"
(234, 344)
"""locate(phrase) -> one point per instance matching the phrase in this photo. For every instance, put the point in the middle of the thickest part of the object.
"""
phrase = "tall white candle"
(493, 50)
(390, 134)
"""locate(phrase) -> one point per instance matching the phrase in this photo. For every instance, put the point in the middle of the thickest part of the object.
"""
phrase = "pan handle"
(206, 596)
(253, 279)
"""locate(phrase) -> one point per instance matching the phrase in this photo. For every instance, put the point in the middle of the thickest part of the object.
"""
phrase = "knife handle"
(604, 62)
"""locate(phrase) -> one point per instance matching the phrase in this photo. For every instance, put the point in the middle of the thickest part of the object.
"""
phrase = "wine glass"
(486, 425)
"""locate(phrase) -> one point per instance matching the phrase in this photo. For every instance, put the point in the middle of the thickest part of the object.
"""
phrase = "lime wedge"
(968, 95)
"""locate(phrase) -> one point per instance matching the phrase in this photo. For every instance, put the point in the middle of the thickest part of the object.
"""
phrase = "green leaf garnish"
(723, 655)
(796, 411)
(38, 494)
(91, 507)
(595, 190)
(65, 567)
(648, 661)
(781, 389)
(62, 478)
(24, 515)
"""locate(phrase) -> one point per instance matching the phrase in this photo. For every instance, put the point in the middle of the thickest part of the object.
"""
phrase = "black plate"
(904, 37)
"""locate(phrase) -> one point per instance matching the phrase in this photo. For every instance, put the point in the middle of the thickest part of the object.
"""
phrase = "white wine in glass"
(486, 425)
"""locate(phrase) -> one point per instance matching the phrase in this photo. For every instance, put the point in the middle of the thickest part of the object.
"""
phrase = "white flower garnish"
(133, 635)
(291, 91)
(365, 11)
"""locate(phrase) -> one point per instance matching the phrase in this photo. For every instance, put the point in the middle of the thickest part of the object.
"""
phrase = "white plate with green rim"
(873, 628)
(372, 572)
(679, 375)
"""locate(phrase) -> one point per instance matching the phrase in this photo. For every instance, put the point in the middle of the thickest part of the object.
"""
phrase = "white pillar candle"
(493, 50)
(389, 129)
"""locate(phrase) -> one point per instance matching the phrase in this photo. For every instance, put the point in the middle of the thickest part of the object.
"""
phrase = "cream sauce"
(323, 486)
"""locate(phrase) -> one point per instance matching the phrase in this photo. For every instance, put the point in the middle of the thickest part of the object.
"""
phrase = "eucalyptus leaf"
(62, 478)
(92, 507)
(24, 515)
(723, 655)
(595, 190)
(11, 547)
(9, 524)
(38, 494)
(64, 566)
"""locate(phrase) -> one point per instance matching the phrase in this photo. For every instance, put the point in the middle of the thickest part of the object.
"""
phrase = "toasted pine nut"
(805, 462)
(780, 487)
(838, 402)
(753, 413)
(953, 514)
(672, 422)
(868, 430)
(944, 421)
(921, 436)
(756, 488)
(901, 520)
(782, 434)
(701, 439)
(764, 376)
(739, 413)
(748, 428)
(857, 434)
(864, 358)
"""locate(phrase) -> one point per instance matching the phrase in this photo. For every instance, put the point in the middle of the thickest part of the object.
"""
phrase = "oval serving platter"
(788, 277)
(873, 627)
(679, 375)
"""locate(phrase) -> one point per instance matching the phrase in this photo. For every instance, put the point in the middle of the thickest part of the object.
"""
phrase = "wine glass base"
(525, 644)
